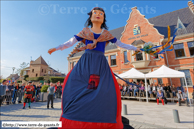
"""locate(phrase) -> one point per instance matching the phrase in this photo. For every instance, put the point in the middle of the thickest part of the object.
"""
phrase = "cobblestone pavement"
(139, 115)
(151, 115)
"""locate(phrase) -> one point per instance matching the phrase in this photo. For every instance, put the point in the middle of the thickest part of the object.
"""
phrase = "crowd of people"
(12, 92)
(158, 91)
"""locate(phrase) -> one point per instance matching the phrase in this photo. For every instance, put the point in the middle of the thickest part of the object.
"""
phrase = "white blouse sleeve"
(126, 46)
(67, 44)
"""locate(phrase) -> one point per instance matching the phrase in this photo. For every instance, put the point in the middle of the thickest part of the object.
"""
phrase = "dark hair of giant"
(89, 22)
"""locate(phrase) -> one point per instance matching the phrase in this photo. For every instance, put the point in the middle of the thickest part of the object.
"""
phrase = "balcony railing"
(140, 64)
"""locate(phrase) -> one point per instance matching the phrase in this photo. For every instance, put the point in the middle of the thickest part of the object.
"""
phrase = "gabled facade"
(139, 30)
(39, 68)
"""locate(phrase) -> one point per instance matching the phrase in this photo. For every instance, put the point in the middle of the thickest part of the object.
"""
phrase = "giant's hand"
(91, 46)
(138, 49)
(51, 50)
(75, 51)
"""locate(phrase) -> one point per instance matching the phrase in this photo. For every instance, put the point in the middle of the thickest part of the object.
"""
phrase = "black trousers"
(167, 94)
(182, 101)
(1, 100)
(50, 98)
(27, 100)
(58, 94)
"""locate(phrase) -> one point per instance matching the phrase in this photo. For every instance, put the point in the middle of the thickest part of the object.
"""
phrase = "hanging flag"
(128, 61)
(162, 57)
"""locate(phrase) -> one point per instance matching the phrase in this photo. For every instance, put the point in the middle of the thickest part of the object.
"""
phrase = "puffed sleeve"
(69, 43)
(113, 40)
(123, 45)
(78, 38)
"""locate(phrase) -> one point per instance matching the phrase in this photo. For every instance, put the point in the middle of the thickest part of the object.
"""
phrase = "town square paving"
(141, 114)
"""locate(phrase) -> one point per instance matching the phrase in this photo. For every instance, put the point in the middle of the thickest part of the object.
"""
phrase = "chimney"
(191, 6)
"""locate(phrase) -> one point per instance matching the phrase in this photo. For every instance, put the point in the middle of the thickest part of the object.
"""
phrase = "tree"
(25, 76)
(21, 69)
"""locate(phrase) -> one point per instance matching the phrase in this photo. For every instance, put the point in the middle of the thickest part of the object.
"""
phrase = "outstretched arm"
(123, 45)
(63, 46)
(67, 44)
(126, 46)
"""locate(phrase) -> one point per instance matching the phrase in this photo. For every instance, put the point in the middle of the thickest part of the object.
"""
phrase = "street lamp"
(13, 69)
(13, 73)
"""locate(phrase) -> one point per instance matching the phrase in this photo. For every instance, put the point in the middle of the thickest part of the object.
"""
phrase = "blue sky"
(30, 28)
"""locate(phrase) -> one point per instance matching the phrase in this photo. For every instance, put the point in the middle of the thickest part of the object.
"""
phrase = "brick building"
(13, 77)
(139, 30)
(39, 68)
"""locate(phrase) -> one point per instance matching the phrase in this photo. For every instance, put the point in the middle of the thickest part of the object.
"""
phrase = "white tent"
(133, 73)
(165, 72)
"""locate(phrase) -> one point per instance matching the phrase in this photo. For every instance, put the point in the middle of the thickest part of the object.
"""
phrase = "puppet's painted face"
(97, 16)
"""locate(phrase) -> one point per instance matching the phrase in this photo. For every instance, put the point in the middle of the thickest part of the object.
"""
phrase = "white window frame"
(125, 61)
(111, 60)
(189, 50)
(182, 79)
(183, 50)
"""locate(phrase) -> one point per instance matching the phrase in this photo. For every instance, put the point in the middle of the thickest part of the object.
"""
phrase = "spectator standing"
(2, 91)
(15, 93)
(8, 94)
(34, 92)
(58, 91)
(58, 83)
(38, 90)
(10, 89)
(20, 93)
(11, 86)
(51, 91)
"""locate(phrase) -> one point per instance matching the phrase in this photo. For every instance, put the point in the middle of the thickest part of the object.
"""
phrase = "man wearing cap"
(28, 90)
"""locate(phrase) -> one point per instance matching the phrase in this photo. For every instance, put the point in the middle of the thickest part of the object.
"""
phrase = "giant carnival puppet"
(28, 92)
(91, 95)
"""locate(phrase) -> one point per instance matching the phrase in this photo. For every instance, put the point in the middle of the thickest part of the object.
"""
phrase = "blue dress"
(91, 95)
